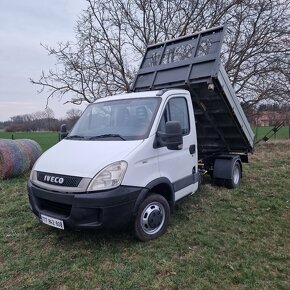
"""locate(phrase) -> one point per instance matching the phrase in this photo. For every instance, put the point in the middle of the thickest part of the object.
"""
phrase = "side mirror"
(63, 132)
(172, 138)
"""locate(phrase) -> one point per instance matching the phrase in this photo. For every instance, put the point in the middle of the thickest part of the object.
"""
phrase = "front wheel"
(152, 218)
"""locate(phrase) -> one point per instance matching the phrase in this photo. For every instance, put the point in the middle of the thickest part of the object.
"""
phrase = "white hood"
(83, 158)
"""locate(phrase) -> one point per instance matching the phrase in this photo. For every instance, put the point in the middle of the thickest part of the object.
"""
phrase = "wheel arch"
(161, 186)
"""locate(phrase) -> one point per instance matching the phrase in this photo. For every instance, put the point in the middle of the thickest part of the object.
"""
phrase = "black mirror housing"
(62, 132)
(172, 138)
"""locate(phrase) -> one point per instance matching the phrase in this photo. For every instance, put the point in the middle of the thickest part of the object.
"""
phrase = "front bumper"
(103, 209)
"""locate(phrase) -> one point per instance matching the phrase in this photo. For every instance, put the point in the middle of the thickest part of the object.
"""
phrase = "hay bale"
(17, 156)
(6, 162)
(31, 148)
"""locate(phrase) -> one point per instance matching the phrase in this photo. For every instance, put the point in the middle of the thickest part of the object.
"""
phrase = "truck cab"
(127, 160)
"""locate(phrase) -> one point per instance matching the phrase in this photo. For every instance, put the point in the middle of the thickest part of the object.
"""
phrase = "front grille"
(58, 179)
(54, 207)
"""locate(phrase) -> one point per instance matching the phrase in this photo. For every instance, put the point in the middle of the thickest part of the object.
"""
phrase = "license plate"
(52, 221)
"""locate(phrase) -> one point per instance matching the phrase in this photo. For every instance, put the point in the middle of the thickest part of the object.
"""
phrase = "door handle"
(192, 149)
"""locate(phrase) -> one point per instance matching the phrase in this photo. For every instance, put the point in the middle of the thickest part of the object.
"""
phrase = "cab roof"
(146, 94)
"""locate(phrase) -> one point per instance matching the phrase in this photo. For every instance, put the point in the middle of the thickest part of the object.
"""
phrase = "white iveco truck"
(131, 157)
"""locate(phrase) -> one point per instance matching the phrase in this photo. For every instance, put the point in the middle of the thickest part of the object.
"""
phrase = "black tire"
(219, 182)
(152, 218)
(236, 176)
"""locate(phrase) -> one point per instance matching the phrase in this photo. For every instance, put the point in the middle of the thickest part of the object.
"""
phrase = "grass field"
(217, 239)
(45, 139)
(283, 133)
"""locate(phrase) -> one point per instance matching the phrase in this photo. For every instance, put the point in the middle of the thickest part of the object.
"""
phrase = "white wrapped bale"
(17, 156)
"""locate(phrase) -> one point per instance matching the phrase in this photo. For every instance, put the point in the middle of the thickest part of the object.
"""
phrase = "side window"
(176, 110)
(164, 119)
(179, 112)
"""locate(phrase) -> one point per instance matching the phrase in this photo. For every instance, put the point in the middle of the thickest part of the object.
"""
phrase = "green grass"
(217, 239)
(45, 139)
(283, 133)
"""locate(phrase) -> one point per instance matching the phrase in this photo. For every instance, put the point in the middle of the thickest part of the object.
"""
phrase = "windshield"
(126, 119)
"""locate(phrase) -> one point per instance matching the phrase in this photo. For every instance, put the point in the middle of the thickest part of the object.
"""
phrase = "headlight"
(110, 177)
(33, 175)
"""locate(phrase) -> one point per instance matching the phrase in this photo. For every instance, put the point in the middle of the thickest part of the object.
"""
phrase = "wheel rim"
(153, 218)
(236, 174)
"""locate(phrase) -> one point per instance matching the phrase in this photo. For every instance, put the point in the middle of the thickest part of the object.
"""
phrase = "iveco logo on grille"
(53, 179)
(58, 179)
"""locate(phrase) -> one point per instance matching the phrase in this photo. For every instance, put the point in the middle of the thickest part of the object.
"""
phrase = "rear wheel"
(235, 176)
(152, 218)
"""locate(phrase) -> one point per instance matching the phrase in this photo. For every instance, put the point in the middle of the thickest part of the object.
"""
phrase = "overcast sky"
(23, 26)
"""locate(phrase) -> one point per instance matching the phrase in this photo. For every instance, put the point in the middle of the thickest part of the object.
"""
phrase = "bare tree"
(40, 120)
(111, 37)
(72, 116)
(73, 113)
(257, 54)
(48, 113)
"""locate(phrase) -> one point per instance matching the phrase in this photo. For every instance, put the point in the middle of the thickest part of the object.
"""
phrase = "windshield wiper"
(106, 136)
(75, 137)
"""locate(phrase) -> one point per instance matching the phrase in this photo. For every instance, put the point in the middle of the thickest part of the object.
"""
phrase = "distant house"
(272, 118)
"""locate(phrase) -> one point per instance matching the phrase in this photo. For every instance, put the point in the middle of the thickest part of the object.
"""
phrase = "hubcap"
(152, 218)
(236, 174)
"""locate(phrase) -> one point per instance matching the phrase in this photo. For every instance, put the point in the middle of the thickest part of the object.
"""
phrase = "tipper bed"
(193, 63)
